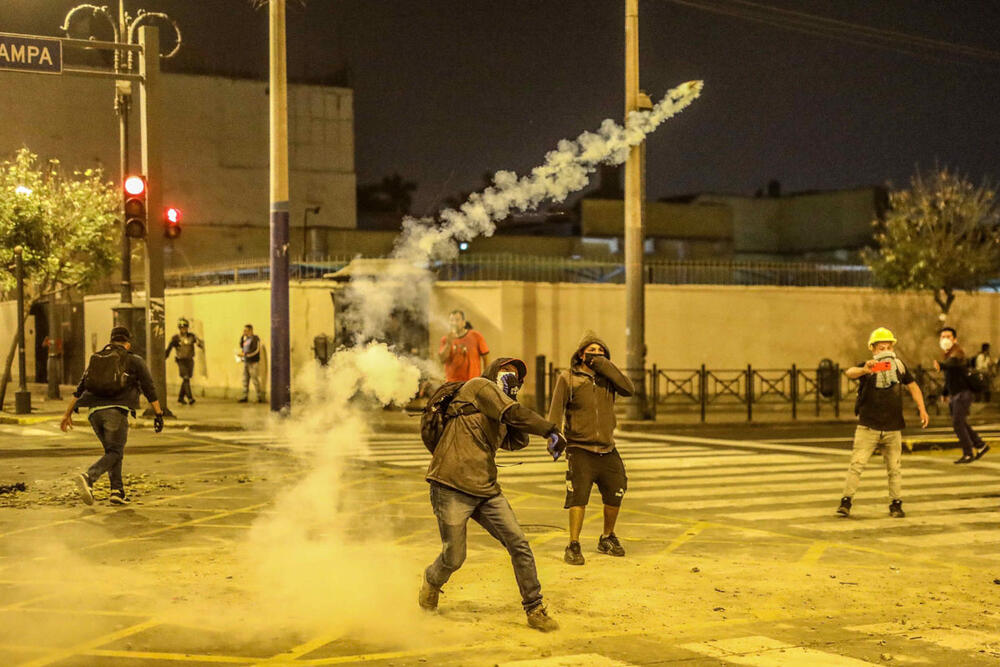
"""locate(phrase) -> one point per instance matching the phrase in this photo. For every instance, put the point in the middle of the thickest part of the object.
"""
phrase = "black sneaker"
(243, 400)
(896, 509)
(85, 488)
(119, 498)
(610, 545)
(845, 507)
(573, 554)
(980, 452)
(190, 401)
(966, 459)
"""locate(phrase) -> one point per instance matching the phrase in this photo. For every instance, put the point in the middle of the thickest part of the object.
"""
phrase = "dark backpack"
(436, 413)
(107, 375)
(978, 381)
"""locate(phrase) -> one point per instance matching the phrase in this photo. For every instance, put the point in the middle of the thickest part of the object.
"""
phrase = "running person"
(184, 342)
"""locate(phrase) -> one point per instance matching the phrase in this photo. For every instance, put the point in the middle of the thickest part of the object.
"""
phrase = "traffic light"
(135, 207)
(172, 222)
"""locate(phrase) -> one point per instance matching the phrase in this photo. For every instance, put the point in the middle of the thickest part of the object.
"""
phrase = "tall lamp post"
(22, 397)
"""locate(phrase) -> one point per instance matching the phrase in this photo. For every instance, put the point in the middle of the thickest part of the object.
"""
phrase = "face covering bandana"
(946, 344)
(887, 378)
(507, 381)
(588, 357)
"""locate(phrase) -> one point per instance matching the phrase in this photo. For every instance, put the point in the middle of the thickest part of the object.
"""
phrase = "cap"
(121, 334)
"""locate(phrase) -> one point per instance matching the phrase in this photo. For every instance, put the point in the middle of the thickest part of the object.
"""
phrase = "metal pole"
(52, 367)
(22, 397)
(123, 102)
(150, 111)
(635, 325)
(794, 391)
(280, 354)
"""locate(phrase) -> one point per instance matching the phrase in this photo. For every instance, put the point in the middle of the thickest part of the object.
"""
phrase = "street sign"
(27, 53)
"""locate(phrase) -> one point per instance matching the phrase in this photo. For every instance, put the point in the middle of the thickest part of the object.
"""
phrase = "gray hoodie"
(584, 398)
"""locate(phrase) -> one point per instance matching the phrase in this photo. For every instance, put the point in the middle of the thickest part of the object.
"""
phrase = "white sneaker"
(83, 485)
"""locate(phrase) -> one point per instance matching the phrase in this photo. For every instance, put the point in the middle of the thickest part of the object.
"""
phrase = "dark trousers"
(186, 369)
(111, 427)
(969, 439)
(453, 510)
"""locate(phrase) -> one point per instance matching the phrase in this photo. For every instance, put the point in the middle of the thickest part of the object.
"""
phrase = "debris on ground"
(12, 488)
(62, 491)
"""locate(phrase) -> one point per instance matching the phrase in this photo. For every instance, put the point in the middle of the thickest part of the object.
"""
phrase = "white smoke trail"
(566, 170)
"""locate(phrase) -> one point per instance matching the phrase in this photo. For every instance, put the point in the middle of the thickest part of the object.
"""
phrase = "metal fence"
(746, 390)
(532, 268)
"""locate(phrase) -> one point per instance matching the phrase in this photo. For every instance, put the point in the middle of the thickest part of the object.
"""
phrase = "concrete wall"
(686, 326)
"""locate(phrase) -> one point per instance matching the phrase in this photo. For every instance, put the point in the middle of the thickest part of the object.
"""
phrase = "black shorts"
(186, 368)
(586, 468)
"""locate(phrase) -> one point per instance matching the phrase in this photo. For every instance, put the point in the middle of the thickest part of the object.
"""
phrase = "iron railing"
(531, 268)
(750, 389)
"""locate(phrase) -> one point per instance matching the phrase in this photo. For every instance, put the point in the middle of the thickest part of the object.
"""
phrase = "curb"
(29, 420)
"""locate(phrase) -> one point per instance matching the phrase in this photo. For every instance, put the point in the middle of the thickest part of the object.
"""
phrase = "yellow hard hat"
(881, 335)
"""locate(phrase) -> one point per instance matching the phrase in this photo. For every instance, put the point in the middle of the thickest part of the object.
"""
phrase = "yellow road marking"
(814, 553)
(289, 657)
(692, 532)
(178, 657)
(97, 642)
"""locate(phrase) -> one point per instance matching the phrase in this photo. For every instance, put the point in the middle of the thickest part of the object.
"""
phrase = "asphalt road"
(244, 548)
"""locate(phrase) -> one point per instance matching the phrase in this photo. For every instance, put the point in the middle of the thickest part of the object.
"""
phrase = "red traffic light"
(172, 218)
(135, 186)
(173, 215)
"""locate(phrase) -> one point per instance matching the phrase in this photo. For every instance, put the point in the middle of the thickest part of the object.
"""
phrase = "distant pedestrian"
(584, 400)
(984, 364)
(879, 408)
(484, 416)
(184, 343)
(958, 393)
(463, 350)
(110, 388)
(250, 356)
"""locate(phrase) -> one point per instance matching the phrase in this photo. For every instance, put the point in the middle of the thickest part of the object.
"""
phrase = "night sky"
(448, 89)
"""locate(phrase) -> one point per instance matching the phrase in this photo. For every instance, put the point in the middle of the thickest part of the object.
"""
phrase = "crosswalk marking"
(810, 512)
(765, 652)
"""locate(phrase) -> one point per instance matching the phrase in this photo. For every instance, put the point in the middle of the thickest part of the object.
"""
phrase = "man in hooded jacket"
(482, 418)
(584, 398)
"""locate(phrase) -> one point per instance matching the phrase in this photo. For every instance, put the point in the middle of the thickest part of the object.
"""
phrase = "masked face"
(508, 383)
(946, 343)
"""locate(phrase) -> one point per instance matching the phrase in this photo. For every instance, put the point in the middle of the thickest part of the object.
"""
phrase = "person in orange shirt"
(463, 350)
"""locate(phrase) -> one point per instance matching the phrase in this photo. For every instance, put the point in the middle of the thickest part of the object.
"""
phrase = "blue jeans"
(111, 427)
(453, 510)
(960, 404)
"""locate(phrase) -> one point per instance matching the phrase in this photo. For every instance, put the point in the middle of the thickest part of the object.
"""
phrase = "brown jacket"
(584, 397)
(464, 458)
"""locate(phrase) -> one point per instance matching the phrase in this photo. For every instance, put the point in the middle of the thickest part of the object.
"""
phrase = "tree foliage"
(940, 235)
(65, 224)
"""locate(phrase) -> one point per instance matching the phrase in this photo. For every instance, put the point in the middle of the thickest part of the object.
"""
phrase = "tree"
(941, 235)
(65, 224)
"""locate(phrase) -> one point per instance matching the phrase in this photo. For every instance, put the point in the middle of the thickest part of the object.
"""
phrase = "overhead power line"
(854, 33)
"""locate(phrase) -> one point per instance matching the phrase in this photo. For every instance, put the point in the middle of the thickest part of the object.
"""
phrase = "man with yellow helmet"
(879, 408)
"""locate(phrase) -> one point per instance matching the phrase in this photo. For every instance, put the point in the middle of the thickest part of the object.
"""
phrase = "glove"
(556, 444)
(158, 423)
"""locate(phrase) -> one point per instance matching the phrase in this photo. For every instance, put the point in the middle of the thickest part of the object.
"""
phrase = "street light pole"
(123, 103)
(22, 397)
(635, 301)
(280, 346)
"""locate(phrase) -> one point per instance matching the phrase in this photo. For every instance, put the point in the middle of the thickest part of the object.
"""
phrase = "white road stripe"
(767, 652)
(770, 501)
(949, 539)
(911, 509)
(748, 470)
(912, 519)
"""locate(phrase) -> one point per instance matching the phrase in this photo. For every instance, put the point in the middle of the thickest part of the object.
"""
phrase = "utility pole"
(150, 110)
(281, 382)
(123, 103)
(635, 297)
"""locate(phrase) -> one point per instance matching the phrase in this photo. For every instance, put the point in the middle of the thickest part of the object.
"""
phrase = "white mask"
(946, 344)
(508, 383)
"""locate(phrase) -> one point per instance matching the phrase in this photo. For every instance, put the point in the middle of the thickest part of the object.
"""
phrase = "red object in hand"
(879, 366)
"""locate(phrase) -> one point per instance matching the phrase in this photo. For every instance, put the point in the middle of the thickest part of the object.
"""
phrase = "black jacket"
(139, 379)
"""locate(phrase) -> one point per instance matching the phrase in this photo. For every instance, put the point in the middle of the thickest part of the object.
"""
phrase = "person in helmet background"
(584, 398)
(484, 416)
(184, 342)
(879, 408)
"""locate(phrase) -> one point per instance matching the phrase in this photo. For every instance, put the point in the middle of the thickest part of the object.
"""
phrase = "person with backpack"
(879, 408)
(184, 342)
(958, 392)
(478, 418)
(584, 398)
(110, 388)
